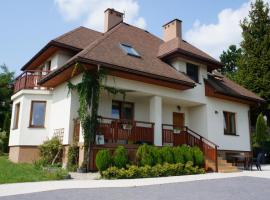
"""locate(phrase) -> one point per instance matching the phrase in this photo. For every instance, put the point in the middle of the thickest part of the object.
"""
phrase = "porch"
(130, 133)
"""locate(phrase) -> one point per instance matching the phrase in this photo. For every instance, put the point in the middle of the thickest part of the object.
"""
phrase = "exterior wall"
(198, 120)
(216, 127)
(23, 154)
(25, 135)
(58, 59)
(65, 105)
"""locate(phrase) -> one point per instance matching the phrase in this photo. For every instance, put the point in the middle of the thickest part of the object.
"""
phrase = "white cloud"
(214, 38)
(92, 11)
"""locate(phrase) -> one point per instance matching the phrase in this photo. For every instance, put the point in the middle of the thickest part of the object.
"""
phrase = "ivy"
(89, 92)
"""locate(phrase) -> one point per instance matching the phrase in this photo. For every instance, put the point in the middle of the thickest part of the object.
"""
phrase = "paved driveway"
(217, 189)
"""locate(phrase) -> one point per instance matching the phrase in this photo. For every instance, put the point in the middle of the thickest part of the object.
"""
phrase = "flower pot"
(81, 170)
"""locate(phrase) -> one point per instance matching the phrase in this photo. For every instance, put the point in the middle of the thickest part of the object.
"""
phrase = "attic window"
(129, 50)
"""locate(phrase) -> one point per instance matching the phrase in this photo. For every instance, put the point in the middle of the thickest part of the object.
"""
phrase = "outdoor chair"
(257, 161)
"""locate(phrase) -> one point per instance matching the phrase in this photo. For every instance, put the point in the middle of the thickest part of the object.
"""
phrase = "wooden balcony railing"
(183, 135)
(29, 80)
(126, 130)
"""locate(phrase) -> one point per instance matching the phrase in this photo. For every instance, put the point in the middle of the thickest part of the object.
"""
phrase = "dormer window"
(129, 50)
(193, 72)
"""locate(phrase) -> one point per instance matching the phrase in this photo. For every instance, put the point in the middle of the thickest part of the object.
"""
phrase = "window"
(129, 50)
(37, 114)
(192, 72)
(16, 115)
(229, 123)
(122, 110)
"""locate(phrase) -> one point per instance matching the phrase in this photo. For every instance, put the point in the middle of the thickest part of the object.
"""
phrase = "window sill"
(231, 134)
(42, 127)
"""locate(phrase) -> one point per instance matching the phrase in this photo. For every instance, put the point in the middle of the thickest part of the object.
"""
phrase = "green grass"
(14, 173)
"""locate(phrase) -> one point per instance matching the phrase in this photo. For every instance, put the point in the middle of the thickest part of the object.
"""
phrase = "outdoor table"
(245, 158)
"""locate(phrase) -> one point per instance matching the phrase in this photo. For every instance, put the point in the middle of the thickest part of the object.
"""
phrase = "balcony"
(29, 80)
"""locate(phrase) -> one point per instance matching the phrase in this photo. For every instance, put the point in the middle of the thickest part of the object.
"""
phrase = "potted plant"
(82, 168)
(176, 130)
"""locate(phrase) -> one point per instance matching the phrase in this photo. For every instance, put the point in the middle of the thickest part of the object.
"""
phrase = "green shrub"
(198, 156)
(51, 151)
(178, 155)
(103, 160)
(120, 157)
(167, 154)
(148, 171)
(145, 155)
(73, 157)
(187, 153)
(157, 156)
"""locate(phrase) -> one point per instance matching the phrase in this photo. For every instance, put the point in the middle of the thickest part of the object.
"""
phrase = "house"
(174, 94)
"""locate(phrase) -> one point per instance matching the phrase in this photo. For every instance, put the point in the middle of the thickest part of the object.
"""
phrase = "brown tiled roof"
(107, 51)
(225, 86)
(179, 45)
(80, 37)
(75, 40)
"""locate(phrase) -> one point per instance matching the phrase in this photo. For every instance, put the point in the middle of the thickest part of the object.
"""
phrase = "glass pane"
(127, 111)
(38, 114)
(232, 123)
(116, 110)
(192, 71)
(225, 122)
(129, 50)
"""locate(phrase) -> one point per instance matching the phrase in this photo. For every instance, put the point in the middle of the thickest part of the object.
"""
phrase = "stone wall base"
(23, 154)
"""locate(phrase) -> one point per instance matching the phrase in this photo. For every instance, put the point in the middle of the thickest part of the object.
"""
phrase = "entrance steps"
(223, 166)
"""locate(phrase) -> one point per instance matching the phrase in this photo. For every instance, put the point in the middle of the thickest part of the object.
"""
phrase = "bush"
(198, 156)
(145, 155)
(73, 156)
(120, 157)
(103, 160)
(167, 154)
(187, 153)
(51, 151)
(178, 155)
(148, 171)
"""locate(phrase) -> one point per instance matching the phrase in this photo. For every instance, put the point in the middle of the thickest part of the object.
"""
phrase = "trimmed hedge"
(147, 171)
(198, 156)
(120, 157)
(103, 160)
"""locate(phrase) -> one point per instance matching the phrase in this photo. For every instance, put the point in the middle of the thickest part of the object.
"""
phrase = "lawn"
(14, 173)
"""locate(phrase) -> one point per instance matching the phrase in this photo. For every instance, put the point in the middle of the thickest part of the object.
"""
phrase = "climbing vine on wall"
(89, 92)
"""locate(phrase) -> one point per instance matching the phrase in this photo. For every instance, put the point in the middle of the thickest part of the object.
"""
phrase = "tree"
(6, 90)
(230, 59)
(260, 136)
(254, 64)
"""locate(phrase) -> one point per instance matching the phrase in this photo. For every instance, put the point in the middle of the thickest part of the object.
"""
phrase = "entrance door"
(178, 119)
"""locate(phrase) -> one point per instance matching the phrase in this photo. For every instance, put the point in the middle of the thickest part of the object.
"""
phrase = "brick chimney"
(112, 18)
(172, 30)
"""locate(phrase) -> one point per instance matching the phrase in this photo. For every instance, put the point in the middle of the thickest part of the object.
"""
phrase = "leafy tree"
(260, 136)
(6, 90)
(230, 59)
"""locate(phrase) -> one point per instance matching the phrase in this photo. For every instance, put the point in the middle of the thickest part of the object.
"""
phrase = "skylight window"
(129, 50)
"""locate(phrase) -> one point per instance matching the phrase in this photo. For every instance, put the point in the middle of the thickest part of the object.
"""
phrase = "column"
(156, 117)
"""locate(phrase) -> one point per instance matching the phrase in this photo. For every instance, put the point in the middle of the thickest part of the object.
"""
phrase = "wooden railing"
(29, 80)
(183, 135)
(115, 130)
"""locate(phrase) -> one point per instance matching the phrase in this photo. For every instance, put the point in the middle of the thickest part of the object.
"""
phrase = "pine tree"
(254, 65)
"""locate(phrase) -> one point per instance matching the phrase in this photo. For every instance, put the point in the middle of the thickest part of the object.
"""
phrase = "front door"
(179, 120)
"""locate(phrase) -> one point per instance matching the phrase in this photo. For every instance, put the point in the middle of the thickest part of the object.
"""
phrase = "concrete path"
(32, 187)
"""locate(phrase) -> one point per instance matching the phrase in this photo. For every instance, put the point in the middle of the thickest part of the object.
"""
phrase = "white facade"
(152, 103)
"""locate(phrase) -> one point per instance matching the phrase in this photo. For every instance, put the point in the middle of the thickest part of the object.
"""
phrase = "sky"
(28, 25)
